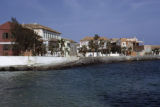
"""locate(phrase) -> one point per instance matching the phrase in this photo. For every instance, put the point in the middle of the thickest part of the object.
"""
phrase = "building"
(85, 42)
(6, 40)
(149, 49)
(132, 45)
(70, 47)
(46, 33)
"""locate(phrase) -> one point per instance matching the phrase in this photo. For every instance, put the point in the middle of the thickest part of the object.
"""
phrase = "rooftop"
(38, 26)
(88, 38)
(72, 41)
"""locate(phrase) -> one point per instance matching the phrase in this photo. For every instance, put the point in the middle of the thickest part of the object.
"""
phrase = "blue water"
(127, 84)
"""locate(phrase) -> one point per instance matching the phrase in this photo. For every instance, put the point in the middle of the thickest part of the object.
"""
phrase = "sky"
(76, 19)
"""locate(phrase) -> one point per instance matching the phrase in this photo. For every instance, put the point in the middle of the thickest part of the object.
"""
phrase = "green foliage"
(83, 50)
(62, 45)
(124, 50)
(25, 39)
(53, 46)
(96, 37)
(156, 51)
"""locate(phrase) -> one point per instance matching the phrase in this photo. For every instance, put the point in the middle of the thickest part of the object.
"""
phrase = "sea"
(122, 84)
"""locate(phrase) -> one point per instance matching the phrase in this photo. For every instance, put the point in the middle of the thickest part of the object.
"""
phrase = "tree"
(66, 51)
(123, 50)
(101, 44)
(83, 50)
(109, 46)
(156, 51)
(92, 46)
(96, 43)
(24, 39)
(96, 37)
(54, 46)
(62, 45)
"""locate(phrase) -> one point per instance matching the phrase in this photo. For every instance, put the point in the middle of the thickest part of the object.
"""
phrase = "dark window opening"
(5, 35)
(6, 47)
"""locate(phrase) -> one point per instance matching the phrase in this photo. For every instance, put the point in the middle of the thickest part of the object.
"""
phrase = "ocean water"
(127, 84)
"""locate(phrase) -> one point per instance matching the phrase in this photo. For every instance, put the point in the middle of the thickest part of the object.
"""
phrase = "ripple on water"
(131, 84)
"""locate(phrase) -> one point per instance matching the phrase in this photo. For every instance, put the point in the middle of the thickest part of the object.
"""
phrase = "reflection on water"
(129, 84)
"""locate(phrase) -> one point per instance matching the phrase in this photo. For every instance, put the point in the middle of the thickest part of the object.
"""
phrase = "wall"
(33, 60)
(5, 28)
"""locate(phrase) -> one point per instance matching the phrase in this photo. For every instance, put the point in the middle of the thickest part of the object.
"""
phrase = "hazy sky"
(76, 19)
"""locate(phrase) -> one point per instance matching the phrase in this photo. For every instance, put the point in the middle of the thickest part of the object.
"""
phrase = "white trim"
(1, 43)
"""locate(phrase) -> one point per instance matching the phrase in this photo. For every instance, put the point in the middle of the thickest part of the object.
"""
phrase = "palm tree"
(62, 44)
(92, 46)
(83, 50)
(96, 37)
(156, 51)
(101, 45)
(123, 50)
(66, 51)
(109, 47)
(96, 43)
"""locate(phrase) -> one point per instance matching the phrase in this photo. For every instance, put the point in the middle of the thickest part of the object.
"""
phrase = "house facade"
(132, 45)
(86, 42)
(46, 33)
(152, 49)
(6, 40)
(70, 47)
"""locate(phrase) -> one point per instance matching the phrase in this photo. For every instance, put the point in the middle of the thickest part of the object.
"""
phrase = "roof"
(130, 40)
(103, 38)
(5, 26)
(123, 39)
(155, 46)
(114, 39)
(72, 41)
(88, 38)
(38, 26)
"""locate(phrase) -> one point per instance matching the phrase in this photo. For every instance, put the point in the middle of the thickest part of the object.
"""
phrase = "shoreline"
(76, 62)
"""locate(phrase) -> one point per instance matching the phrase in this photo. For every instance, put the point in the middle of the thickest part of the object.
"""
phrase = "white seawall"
(34, 60)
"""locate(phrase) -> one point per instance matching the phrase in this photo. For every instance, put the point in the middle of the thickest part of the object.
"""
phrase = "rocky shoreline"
(83, 61)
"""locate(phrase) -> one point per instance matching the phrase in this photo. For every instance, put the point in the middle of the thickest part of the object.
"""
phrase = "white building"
(85, 42)
(45, 32)
(70, 47)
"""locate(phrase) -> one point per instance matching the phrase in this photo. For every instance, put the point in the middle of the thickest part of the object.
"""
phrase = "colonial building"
(6, 39)
(85, 42)
(70, 47)
(152, 49)
(132, 45)
(46, 33)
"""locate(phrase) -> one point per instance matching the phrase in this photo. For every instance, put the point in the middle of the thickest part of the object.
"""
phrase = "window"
(68, 44)
(5, 35)
(6, 47)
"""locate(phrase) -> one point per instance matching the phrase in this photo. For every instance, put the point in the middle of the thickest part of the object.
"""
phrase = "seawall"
(38, 63)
